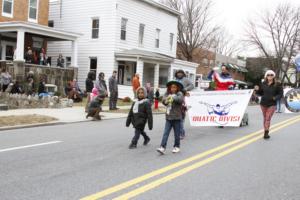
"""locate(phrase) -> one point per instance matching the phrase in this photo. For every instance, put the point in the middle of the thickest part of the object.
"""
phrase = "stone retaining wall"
(53, 75)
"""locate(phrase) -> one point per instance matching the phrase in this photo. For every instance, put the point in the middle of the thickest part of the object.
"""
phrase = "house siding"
(76, 16)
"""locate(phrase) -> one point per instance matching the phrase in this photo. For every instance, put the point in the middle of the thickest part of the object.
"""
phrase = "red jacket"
(223, 81)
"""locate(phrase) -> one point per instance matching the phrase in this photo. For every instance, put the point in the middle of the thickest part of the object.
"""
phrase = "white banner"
(217, 108)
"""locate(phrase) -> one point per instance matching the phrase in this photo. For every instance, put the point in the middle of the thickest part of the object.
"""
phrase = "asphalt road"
(77, 160)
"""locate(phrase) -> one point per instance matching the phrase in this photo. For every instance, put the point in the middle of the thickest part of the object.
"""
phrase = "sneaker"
(161, 150)
(147, 140)
(175, 150)
(132, 146)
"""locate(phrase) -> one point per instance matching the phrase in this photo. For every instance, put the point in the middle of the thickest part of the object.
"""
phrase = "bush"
(127, 100)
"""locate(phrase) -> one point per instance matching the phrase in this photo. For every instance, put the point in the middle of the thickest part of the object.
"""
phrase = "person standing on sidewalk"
(270, 92)
(139, 114)
(173, 100)
(89, 85)
(113, 90)
(101, 84)
(187, 87)
(135, 84)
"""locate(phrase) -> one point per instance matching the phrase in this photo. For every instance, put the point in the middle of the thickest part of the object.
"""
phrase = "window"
(141, 34)
(157, 38)
(33, 10)
(51, 23)
(68, 61)
(95, 28)
(7, 8)
(126, 71)
(171, 41)
(123, 28)
(93, 64)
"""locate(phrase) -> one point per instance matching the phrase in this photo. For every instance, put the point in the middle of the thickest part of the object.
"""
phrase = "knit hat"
(176, 83)
(270, 72)
(145, 91)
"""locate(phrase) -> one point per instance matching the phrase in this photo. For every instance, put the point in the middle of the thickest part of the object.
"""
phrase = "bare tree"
(225, 44)
(277, 36)
(194, 26)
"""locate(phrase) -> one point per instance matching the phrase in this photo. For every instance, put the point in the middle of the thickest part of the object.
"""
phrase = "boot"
(266, 135)
(146, 141)
(132, 146)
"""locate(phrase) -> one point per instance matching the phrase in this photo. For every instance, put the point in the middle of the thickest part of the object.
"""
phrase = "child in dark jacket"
(95, 106)
(138, 116)
(173, 100)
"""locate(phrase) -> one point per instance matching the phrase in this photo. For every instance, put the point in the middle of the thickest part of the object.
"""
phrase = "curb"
(55, 123)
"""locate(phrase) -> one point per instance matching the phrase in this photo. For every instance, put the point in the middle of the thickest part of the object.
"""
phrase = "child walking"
(139, 114)
(173, 100)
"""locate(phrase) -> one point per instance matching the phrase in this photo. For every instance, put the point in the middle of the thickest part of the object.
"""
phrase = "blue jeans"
(278, 105)
(175, 124)
(182, 131)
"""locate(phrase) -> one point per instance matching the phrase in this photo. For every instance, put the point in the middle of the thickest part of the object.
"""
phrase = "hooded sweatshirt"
(140, 113)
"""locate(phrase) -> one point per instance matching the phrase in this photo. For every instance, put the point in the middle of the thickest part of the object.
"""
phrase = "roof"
(162, 6)
(38, 29)
(136, 53)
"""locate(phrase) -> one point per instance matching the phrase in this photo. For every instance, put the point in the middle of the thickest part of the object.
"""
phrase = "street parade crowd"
(140, 113)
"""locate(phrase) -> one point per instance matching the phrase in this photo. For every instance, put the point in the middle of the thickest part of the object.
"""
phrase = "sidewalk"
(64, 115)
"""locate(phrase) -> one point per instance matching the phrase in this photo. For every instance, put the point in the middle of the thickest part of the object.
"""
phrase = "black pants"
(137, 134)
(113, 100)
(4, 87)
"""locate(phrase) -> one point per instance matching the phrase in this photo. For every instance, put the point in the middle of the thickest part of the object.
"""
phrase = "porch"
(153, 68)
(18, 39)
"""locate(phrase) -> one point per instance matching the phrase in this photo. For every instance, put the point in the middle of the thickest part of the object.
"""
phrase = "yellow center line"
(199, 164)
(152, 174)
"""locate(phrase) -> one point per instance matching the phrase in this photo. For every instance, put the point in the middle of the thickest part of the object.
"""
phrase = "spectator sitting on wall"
(60, 61)
(72, 92)
(30, 90)
(16, 88)
(42, 88)
(5, 79)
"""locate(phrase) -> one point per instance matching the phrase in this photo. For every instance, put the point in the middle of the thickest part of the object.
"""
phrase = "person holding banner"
(223, 81)
(173, 100)
(180, 76)
(270, 92)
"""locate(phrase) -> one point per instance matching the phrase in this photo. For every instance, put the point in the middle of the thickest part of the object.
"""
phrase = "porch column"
(3, 55)
(156, 76)
(140, 69)
(74, 61)
(20, 46)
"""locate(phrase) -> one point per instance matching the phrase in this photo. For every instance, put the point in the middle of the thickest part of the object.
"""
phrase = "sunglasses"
(270, 74)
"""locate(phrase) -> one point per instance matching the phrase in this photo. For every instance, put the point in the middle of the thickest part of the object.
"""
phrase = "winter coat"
(223, 81)
(269, 94)
(135, 83)
(174, 108)
(42, 88)
(101, 86)
(113, 85)
(89, 85)
(139, 114)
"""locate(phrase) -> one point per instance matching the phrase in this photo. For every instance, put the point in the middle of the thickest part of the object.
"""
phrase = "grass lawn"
(24, 120)
(105, 103)
(159, 110)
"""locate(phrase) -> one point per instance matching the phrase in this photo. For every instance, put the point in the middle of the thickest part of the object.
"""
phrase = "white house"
(130, 36)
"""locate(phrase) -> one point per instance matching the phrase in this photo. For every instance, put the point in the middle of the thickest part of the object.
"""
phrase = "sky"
(233, 15)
